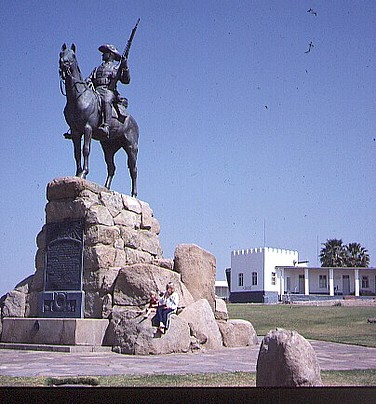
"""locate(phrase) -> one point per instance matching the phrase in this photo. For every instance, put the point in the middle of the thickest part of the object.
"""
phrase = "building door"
(301, 284)
(346, 284)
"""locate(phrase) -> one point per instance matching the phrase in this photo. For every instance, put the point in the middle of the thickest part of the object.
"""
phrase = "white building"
(326, 281)
(266, 275)
(254, 276)
(222, 290)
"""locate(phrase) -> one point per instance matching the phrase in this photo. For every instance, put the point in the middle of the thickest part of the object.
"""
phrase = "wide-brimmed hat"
(107, 48)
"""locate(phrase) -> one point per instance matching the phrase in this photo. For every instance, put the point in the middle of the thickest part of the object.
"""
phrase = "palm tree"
(356, 256)
(333, 253)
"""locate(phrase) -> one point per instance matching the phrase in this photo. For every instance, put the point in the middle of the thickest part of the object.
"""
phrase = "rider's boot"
(104, 129)
(68, 134)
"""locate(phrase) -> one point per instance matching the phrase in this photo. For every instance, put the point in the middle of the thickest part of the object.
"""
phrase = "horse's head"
(67, 61)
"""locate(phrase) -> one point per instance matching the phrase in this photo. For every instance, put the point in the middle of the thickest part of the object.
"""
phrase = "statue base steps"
(80, 332)
(55, 348)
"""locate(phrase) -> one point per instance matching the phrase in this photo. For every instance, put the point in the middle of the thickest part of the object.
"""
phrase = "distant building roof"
(221, 283)
(336, 268)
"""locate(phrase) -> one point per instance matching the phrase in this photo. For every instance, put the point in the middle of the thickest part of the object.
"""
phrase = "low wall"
(253, 297)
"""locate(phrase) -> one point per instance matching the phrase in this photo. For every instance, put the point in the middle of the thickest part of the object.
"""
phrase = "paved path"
(331, 356)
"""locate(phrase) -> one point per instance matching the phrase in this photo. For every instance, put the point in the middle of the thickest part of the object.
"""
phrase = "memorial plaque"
(63, 295)
(62, 304)
(64, 265)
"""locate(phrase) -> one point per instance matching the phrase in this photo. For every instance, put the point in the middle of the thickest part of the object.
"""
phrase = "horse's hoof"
(81, 175)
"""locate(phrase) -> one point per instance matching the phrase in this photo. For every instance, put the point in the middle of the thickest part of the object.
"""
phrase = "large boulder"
(237, 333)
(130, 333)
(286, 359)
(134, 282)
(221, 312)
(197, 268)
(203, 327)
(14, 303)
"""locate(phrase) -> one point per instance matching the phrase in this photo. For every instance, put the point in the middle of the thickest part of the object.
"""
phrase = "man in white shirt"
(168, 303)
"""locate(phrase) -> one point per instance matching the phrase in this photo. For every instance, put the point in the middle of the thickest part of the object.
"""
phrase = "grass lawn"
(232, 379)
(329, 323)
(341, 324)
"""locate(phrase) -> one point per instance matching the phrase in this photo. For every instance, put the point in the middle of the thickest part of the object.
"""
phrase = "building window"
(323, 283)
(241, 279)
(254, 278)
(274, 278)
(365, 282)
(288, 284)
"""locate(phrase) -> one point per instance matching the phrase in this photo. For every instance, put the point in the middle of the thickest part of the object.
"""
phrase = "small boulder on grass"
(286, 359)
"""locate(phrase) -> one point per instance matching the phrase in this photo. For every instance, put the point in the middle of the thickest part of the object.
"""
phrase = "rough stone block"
(58, 211)
(237, 333)
(93, 304)
(101, 279)
(41, 238)
(39, 258)
(130, 334)
(128, 219)
(220, 309)
(202, 324)
(99, 256)
(37, 281)
(131, 204)
(70, 188)
(197, 268)
(134, 283)
(14, 304)
(100, 234)
(99, 214)
(112, 201)
(286, 359)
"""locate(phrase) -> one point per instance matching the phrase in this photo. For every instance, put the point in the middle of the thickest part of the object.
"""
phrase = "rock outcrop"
(286, 359)
(119, 231)
(237, 333)
(122, 263)
(197, 268)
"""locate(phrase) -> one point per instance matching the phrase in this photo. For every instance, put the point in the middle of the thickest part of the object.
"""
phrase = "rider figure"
(103, 78)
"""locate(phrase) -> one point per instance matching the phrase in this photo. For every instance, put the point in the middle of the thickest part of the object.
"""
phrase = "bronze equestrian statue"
(95, 110)
(103, 78)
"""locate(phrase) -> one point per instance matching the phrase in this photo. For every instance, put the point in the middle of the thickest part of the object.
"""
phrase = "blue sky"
(238, 125)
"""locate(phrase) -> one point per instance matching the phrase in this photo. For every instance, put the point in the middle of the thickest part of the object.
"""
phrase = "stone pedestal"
(98, 259)
(117, 231)
(57, 331)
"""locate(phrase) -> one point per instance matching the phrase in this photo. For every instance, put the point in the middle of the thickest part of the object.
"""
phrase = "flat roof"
(336, 268)
(221, 283)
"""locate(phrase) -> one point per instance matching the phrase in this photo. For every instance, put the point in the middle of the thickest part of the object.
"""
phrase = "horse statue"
(83, 115)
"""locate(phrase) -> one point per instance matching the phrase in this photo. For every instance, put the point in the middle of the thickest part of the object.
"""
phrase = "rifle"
(124, 57)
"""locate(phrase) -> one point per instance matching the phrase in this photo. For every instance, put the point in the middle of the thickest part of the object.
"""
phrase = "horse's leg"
(109, 153)
(76, 139)
(86, 150)
(132, 151)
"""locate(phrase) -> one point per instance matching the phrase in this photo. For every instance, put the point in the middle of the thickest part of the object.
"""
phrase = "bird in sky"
(312, 12)
(310, 46)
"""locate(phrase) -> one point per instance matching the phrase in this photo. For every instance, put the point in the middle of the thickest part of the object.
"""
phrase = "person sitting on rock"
(153, 304)
(168, 303)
